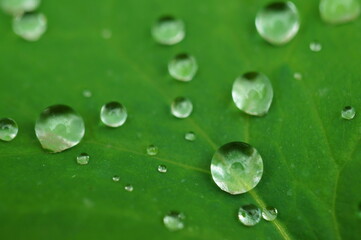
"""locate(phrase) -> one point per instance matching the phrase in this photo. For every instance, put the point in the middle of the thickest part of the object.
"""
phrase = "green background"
(311, 156)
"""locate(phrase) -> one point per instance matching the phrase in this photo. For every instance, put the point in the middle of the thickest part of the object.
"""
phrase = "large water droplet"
(30, 26)
(253, 93)
(339, 11)
(113, 114)
(18, 7)
(174, 221)
(269, 213)
(59, 127)
(348, 113)
(249, 215)
(162, 168)
(168, 30)
(83, 159)
(152, 150)
(181, 107)
(236, 167)
(315, 46)
(129, 188)
(8, 129)
(278, 22)
(183, 67)
(190, 136)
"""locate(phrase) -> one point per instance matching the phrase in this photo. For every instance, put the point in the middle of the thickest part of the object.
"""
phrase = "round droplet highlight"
(190, 136)
(174, 221)
(115, 178)
(8, 129)
(19, 7)
(269, 213)
(59, 128)
(339, 11)
(83, 159)
(348, 113)
(183, 67)
(129, 188)
(249, 215)
(30, 26)
(253, 93)
(315, 46)
(181, 107)
(87, 93)
(162, 168)
(168, 30)
(152, 150)
(113, 114)
(278, 22)
(236, 167)
(297, 76)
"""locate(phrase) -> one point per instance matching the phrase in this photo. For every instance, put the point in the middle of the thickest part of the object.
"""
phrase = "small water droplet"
(190, 136)
(278, 22)
(348, 113)
(162, 168)
(107, 33)
(269, 213)
(152, 150)
(236, 167)
(113, 114)
(168, 30)
(18, 7)
(87, 93)
(129, 188)
(339, 11)
(59, 127)
(30, 26)
(8, 129)
(174, 221)
(115, 178)
(253, 93)
(183, 67)
(83, 159)
(297, 76)
(181, 107)
(249, 215)
(315, 46)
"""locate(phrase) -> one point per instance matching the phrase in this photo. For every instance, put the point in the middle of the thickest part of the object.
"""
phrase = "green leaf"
(312, 157)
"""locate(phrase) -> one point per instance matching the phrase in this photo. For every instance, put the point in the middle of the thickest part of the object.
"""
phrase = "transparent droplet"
(59, 127)
(30, 26)
(297, 76)
(183, 67)
(249, 215)
(152, 150)
(174, 221)
(19, 7)
(83, 159)
(253, 93)
(115, 178)
(129, 188)
(278, 22)
(162, 168)
(87, 93)
(113, 114)
(339, 11)
(236, 167)
(181, 107)
(190, 136)
(8, 129)
(315, 46)
(348, 113)
(107, 33)
(168, 30)
(269, 213)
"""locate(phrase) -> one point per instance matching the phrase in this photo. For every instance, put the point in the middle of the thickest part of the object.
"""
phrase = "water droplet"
(339, 11)
(348, 113)
(18, 7)
(83, 159)
(315, 46)
(297, 76)
(59, 127)
(107, 33)
(152, 150)
(190, 136)
(113, 114)
(162, 168)
(253, 93)
(278, 22)
(168, 30)
(115, 178)
(183, 67)
(129, 188)
(269, 213)
(174, 221)
(8, 129)
(87, 93)
(249, 215)
(236, 167)
(181, 107)
(30, 26)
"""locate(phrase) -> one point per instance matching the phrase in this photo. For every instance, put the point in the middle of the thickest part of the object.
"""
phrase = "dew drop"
(162, 168)
(297, 76)
(115, 178)
(174, 221)
(253, 93)
(190, 136)
(152, 150)
(30, 26)
(113, 114)
(168, 30)
(59, 127)
(278, 22)
(269, 213)
(339, 11)
(18, 7)
(183, 67)
(236, 167)
(8, 129)
(87, 93)
(83, 159)
(181, 107)
(348, 113)
(249, 215)
(129, 188)
(107, 33)
(315, 46)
